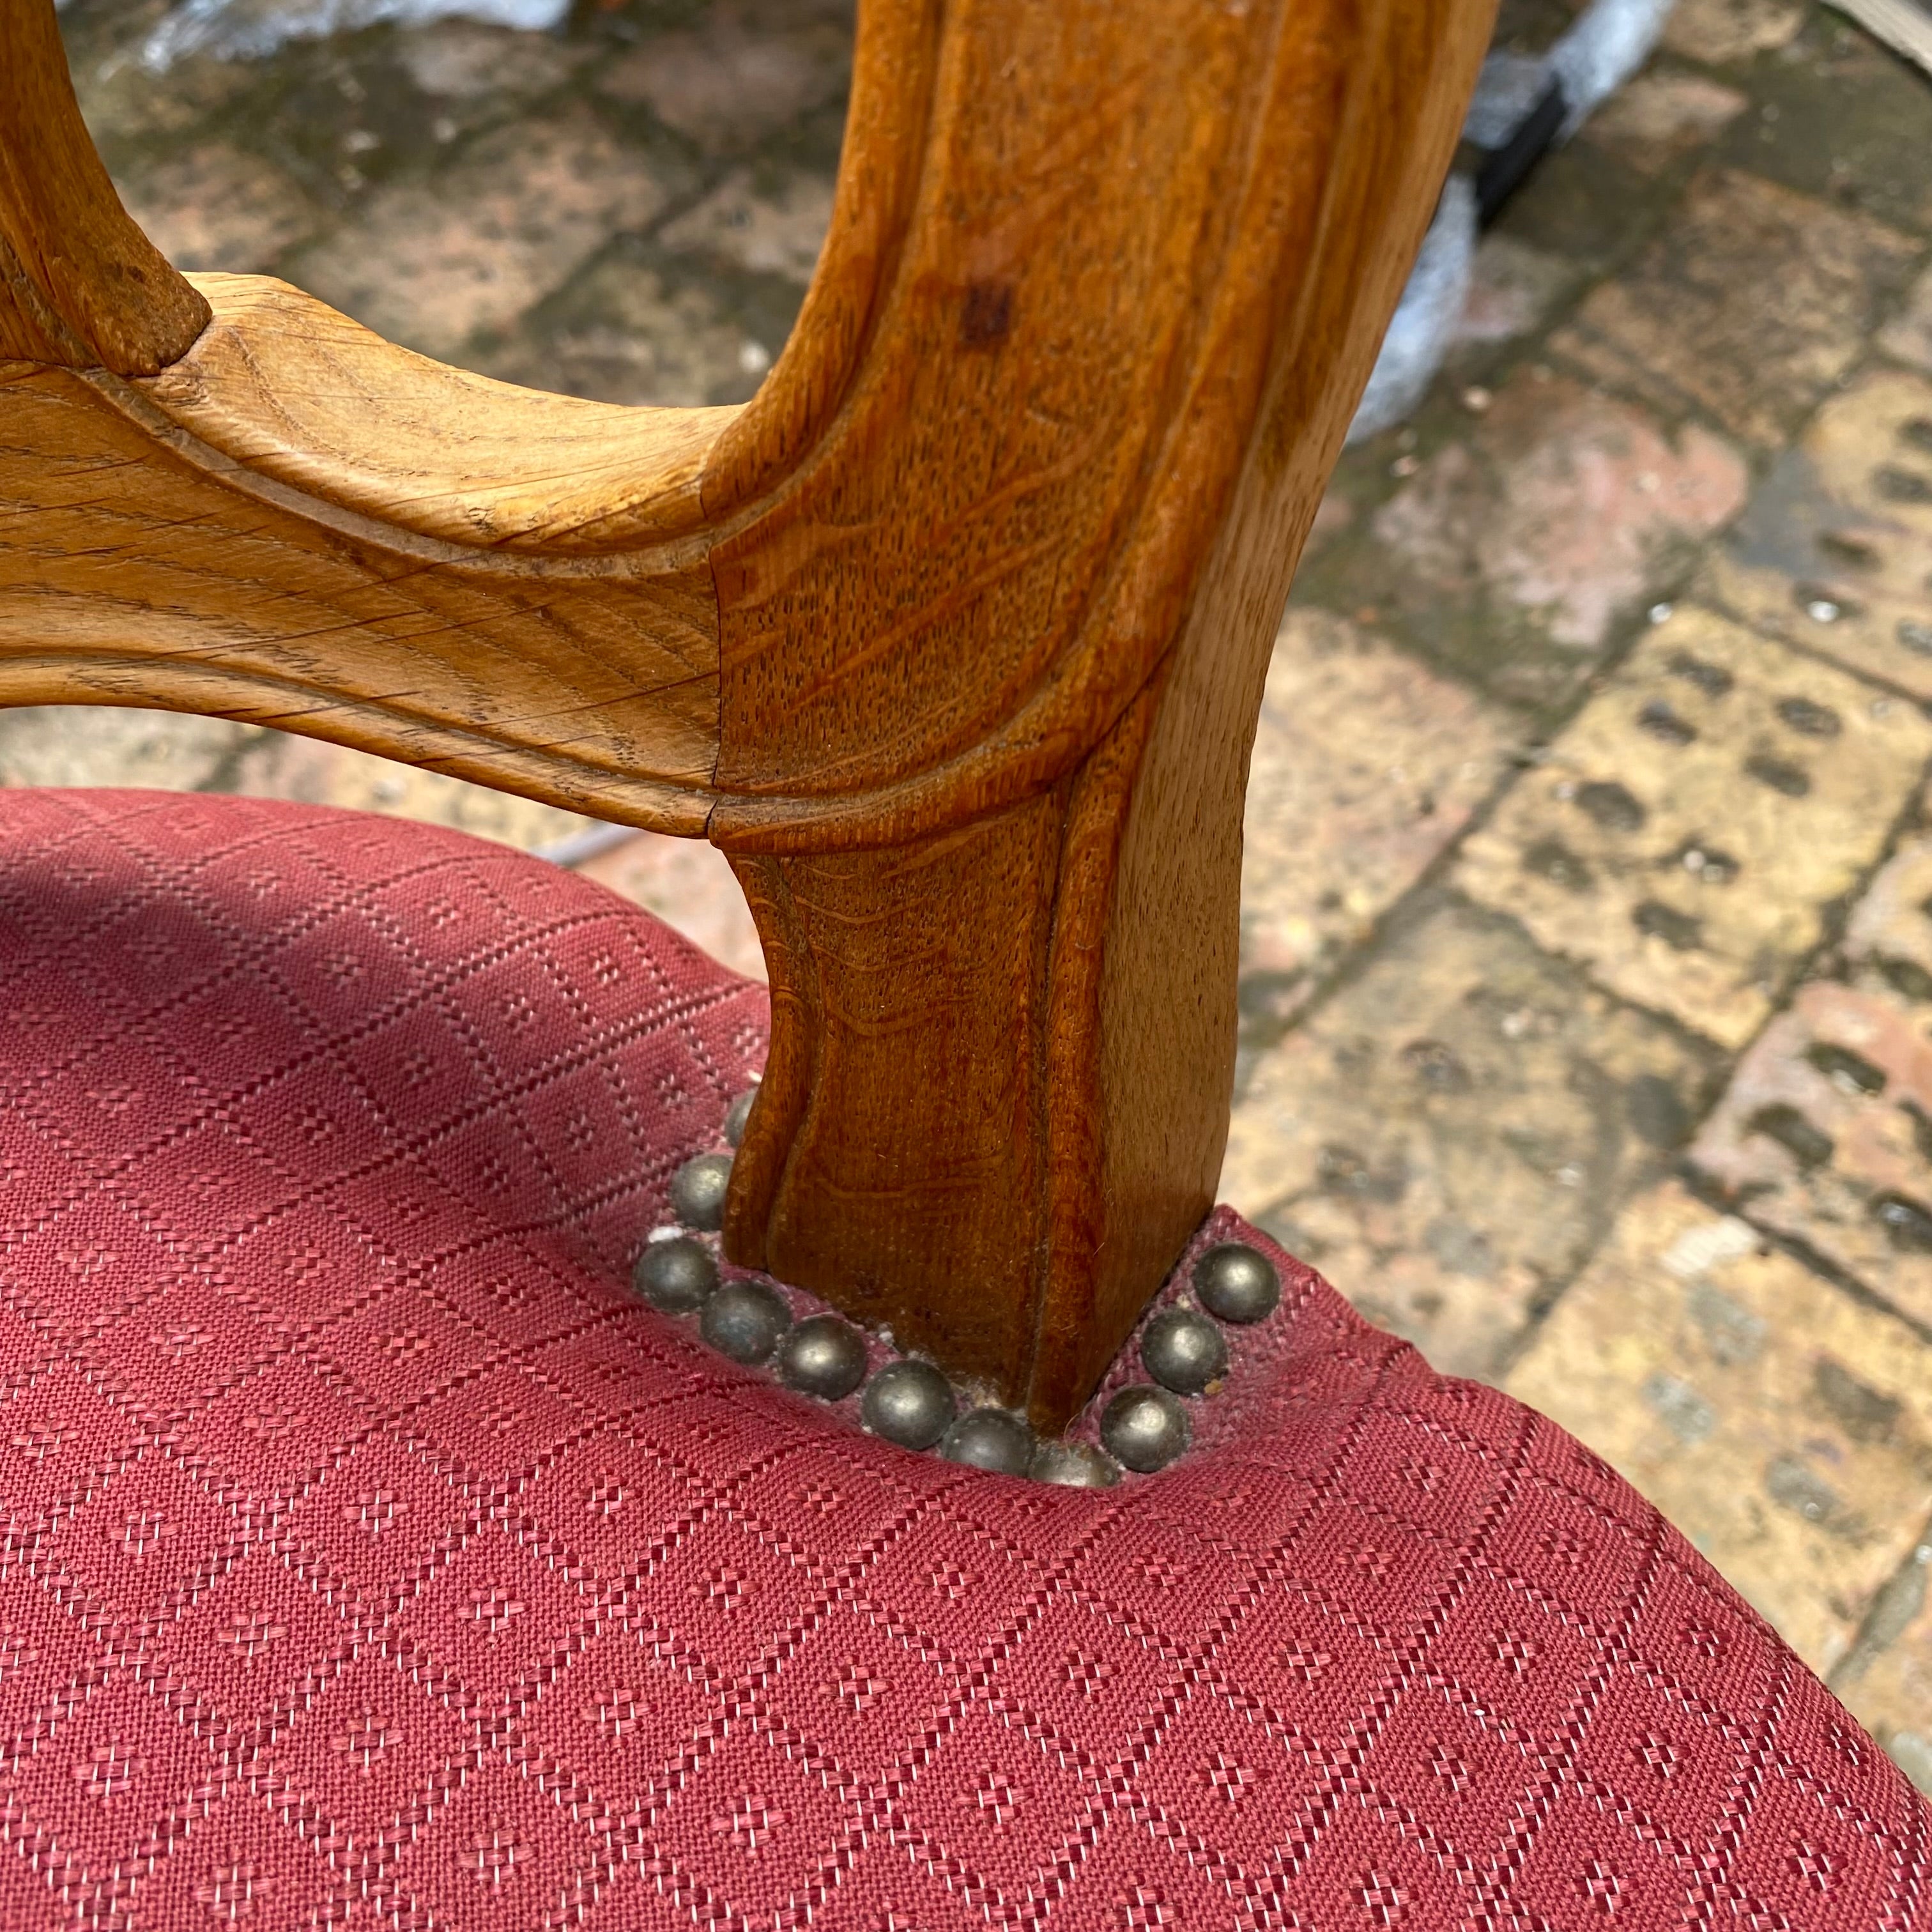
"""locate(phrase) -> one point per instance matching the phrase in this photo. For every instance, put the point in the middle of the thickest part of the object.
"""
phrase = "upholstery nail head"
(698, 1191)
(991, 1439)
(1145, 1428)
(823, 1356)
(1184, 1351)
(676, 1276)
(737, 1113)
(909, 1403)
(1234, 1283)
(745, 1320)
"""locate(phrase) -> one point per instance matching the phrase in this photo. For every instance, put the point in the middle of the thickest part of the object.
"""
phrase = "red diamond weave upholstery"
(371, 1558)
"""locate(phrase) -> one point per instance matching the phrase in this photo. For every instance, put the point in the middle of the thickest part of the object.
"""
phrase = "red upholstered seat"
(372, 1556)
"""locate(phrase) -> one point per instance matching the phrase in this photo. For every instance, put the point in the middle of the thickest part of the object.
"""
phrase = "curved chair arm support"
(80, 285)
(953, 638)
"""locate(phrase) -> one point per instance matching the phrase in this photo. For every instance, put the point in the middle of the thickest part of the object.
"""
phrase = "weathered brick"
(726, 82)
(1512, 550)
(1513, 286)
(1366, 766)
(1785, 1426)
(1658, 118)
(1824, 1133)
(1750, 305)
(429, 264)
(776, 232)
(1909, 334)
(1885, 1678)
(275, 766)
(461, 61)
(1688, 831)
(1450, 1133)
(100, 745)
(217, 207)
(642, 331)
(1722, 32)
(1832, 552)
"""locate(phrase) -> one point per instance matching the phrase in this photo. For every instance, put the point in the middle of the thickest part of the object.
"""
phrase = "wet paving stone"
(774, 230)
(641, 326)
(1835, 116)
(1748, 308)
(1449, 1135)
(1885, 1678)
(1688, 834)
(1784, 1427)
(1824, 1133)
(1366, 767)
(734, 77)
(431, 265)
(173, 752)
(1835, 551)
(1659, 118)
(1509, 553)
(1723, 33)
(1908, 336)
(104, 745)
(1513, 288)
(217, 207)
(305, 770)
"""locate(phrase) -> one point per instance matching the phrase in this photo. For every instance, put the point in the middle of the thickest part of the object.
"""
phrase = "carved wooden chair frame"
(952, 639)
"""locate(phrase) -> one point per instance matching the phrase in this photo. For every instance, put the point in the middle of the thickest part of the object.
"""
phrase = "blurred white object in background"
(1524, 105)
(248, 29)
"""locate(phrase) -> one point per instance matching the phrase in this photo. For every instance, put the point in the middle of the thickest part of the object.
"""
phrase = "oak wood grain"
(952, 638)
(292, 391)
(79, 284)
(138, 566)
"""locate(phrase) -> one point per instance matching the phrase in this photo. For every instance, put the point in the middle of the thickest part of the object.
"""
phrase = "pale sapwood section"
(137, 567)
(291, 390)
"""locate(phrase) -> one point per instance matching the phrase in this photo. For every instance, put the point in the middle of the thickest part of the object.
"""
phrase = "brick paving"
(1587, 1006)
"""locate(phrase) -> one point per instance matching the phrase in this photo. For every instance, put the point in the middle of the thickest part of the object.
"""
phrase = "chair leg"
(997, 1099)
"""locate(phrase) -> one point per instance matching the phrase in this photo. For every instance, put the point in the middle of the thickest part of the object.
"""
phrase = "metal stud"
(824, 1357)
(907, 1403)
(677, 1275)
(1236, 1283)
(698, 1191)
(737, 1113)
(1145, 1428)
(1184, 1351)
(989, 1439)
(1075, 1466)
(745, 1320)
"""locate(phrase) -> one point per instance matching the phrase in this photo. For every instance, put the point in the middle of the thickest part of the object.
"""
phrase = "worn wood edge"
(140, 683)
(290, 389)
(1127, 1003)
(79, 284)
(881, 163)
(133, 402)
(1067, 1360)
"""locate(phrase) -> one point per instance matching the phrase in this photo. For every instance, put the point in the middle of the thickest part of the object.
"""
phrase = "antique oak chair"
(375, 1551)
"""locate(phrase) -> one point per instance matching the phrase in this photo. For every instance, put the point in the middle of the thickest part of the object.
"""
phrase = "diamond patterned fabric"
(371, 1557)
